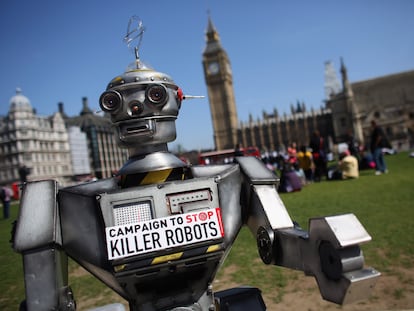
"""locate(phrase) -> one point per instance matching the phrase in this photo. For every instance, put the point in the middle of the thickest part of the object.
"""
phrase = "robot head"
(143, 105)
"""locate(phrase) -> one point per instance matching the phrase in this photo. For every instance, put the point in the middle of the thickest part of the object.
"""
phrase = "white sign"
(162, 233)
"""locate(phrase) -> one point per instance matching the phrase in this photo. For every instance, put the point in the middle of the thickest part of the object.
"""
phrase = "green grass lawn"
(384, 204)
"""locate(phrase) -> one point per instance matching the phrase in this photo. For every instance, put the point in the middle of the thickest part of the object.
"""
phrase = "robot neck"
(137, 169)
(135, 152)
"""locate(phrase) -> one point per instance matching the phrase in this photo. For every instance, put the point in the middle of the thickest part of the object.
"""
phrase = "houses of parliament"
(389, 100)
(69, 149)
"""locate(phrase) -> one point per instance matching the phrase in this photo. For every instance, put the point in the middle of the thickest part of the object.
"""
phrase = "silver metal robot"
(158, 232)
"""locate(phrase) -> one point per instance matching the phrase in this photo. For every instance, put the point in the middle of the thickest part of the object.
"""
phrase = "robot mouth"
(137, 128)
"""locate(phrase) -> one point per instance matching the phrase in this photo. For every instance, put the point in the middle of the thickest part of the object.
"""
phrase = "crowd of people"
(299, 166)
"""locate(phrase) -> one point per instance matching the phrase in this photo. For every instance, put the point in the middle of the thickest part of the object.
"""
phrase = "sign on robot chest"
(158, 219)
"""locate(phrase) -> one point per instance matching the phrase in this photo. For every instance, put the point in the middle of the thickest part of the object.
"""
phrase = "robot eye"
(110, 101)
(136, 108)
(156, 94)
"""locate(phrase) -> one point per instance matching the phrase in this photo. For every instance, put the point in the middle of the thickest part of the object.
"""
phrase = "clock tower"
(219, 80)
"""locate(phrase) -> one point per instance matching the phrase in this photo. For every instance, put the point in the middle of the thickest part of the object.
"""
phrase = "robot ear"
(180, 97)
(180, 94)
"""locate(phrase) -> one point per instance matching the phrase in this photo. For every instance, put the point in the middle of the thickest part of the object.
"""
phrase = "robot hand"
(330, 252)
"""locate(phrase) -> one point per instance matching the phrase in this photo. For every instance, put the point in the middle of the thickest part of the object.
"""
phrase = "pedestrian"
(306, 163)
(238, 150)
(347, 167)
(6, 194)
(378, 142)
(353, 145)
(292, 153)
(24, 171)
(289, 180)
(317, 144)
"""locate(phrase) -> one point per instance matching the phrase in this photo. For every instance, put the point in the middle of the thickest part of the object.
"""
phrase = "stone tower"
(345, 114)
(219, 80)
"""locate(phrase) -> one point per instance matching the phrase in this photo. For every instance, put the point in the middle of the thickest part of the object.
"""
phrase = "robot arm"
(329, 251)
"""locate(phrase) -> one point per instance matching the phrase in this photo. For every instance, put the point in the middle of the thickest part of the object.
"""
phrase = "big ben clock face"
(213, 68)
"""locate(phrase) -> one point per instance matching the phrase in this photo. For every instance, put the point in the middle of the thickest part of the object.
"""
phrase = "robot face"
(143, 105)
(137, 102)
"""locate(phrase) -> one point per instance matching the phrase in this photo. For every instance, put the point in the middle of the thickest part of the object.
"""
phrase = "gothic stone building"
(219, 81)
(389, 100)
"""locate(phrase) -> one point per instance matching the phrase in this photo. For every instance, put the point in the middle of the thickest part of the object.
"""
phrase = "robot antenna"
(135, 31)
(193, 96)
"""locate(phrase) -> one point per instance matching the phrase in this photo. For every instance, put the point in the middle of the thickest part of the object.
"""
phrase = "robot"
(158, 231)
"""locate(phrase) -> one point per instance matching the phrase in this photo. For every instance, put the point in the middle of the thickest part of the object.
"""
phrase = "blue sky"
(60, 51)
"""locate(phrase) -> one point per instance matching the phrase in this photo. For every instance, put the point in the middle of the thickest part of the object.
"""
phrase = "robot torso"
(160, 244)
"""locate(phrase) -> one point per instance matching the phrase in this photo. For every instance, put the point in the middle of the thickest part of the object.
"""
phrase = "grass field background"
(384, 204)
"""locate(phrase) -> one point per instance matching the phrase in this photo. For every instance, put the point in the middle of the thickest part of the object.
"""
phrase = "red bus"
(225, 156)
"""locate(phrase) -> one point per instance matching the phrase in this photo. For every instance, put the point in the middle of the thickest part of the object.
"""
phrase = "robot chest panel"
(158, 218)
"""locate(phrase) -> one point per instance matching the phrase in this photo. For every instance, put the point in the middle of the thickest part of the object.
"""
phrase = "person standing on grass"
(378, 142)
(317, 144)
(6, 194)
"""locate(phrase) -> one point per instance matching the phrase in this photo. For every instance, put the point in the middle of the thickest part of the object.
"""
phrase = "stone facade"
(34, 143)
(275, 133)
(390, 101)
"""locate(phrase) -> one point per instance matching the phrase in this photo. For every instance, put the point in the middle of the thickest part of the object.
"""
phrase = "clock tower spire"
(219, 80)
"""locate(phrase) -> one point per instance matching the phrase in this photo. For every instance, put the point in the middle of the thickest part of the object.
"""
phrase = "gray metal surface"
(38, 223)
(151, 162)
(157, 194)
(46, 278)
(109, 307)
